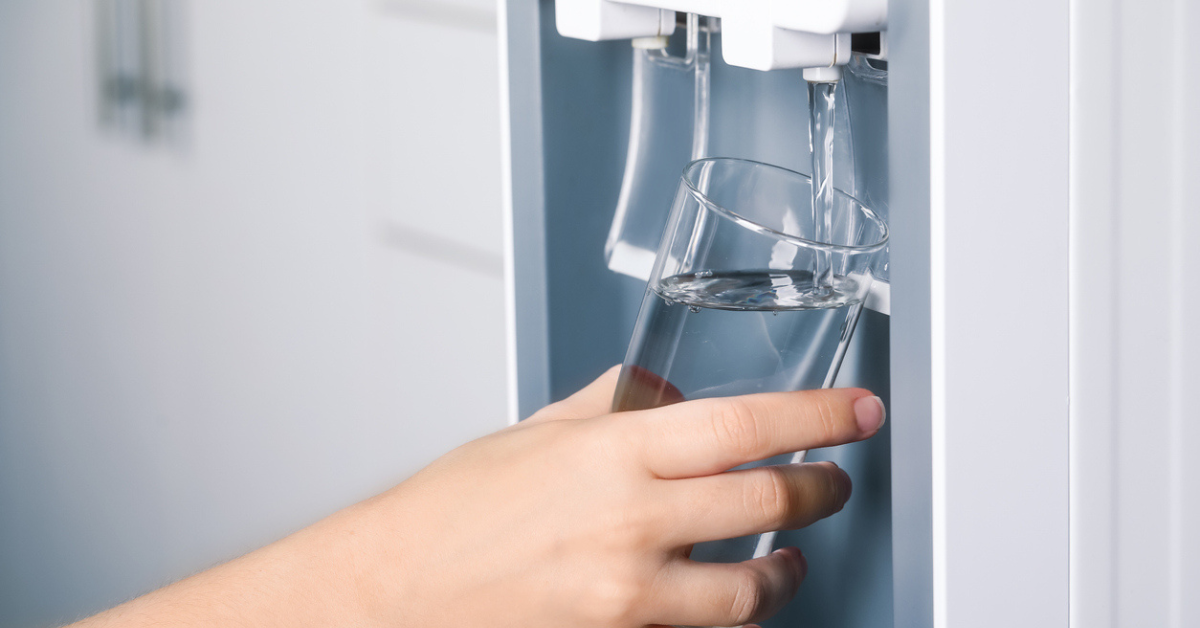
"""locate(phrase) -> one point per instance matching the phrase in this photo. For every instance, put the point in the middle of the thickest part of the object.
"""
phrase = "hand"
(577, 517)
(574, 517)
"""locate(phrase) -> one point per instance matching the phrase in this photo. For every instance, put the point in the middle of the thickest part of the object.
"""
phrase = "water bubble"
(694, 309)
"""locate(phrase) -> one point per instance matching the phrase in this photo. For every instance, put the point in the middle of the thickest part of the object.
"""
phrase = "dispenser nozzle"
(826, 74)
(657, 42)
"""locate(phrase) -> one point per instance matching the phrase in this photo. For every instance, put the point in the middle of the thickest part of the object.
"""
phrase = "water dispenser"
(965, 510)
(631, 92)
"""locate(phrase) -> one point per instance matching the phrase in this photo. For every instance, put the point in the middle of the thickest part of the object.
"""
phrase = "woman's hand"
(575, 517)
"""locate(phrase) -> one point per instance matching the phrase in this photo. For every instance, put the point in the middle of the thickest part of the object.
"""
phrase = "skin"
(575, 517)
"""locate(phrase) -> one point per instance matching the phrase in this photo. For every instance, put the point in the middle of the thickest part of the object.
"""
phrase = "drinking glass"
(731, 307)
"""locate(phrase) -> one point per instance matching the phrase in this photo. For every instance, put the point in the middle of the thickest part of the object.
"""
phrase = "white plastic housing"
(749, 43)
(830, 16)
(711, 8)
(600, 20)
(758, 34)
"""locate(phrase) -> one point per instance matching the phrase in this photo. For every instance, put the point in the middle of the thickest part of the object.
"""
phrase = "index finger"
(708, 436)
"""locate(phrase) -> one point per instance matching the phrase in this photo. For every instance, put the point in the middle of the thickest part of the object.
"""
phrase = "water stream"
(821, 101)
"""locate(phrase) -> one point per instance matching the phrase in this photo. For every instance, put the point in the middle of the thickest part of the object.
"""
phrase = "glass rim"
(765, 230)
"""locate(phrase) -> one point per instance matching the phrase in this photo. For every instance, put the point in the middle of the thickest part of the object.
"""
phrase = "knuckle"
(613, 437)
(631, 530)
(614, 601)
(737, 428)
(613, 440)
(547, 413)
(827, 419)
(772, 500)
(750, 595)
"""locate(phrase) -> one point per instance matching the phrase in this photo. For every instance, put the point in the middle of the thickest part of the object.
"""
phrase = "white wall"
(206, 345)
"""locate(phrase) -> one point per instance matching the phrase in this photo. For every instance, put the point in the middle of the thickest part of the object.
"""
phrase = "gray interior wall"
(585, 118)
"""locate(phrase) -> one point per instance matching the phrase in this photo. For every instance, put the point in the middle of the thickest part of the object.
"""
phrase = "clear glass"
(731, 307)
(668, 128)
(865, 92)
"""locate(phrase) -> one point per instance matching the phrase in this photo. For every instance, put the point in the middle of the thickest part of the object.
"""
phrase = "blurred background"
(250, 273)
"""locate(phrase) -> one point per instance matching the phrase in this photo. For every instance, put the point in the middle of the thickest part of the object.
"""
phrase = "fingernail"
(869, 413)
(797, 557)
(847, 486)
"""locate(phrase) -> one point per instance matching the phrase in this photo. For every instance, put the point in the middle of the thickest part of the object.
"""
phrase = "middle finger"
(753, 501)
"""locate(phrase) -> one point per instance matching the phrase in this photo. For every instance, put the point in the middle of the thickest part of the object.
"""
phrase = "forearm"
(311, 578)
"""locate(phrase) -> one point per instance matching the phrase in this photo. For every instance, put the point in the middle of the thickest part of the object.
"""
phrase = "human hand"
(578, 517)
(575, 517)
